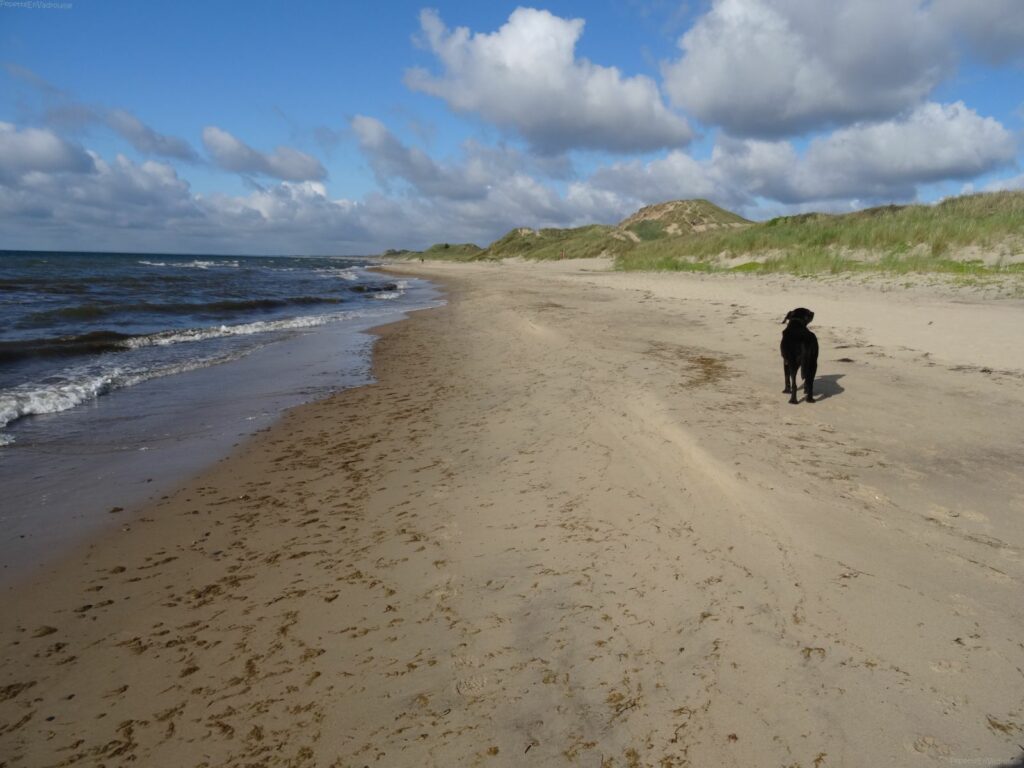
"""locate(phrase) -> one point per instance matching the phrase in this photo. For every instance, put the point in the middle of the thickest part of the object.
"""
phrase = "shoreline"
(573, 517)
(72, 475)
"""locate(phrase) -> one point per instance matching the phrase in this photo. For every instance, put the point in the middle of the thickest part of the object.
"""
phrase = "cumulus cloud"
(123, 204)
(772, 68)
(120, 204)
(871, 161)
(39, 150)
(675, 176)
(526, 78)
(875, 161)
(935, 142)
(283, 163)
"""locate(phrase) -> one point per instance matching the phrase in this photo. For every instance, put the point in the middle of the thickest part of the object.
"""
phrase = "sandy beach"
(574, 522)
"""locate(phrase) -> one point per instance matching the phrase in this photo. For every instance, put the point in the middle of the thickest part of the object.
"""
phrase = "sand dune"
(574, 523)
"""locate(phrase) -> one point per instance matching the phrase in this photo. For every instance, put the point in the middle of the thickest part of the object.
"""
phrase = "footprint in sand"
(470, 684)
(947, 667)
(474, 685)
(930, 746)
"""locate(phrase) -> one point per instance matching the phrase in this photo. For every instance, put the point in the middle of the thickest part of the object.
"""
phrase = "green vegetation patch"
(546, 244)
(452, 251)
(648, 229)
(913, 238)
(697, 236)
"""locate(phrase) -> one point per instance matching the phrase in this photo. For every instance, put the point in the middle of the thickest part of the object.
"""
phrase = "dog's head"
(800, 314)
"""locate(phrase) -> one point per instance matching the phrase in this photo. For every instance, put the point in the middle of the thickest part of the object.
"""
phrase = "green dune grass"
(972, 235)
(914, 238)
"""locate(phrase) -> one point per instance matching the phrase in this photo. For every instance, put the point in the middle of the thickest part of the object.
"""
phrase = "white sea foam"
(82, 385)
(207, 264)
(243, 329)
(196, 264)
(401, 286)
(35, 399)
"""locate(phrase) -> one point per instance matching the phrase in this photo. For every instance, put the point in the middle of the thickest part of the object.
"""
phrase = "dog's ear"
(810, 316)
(789, 315)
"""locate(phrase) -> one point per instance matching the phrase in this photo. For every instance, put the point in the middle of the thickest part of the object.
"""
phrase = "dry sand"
(574, 523)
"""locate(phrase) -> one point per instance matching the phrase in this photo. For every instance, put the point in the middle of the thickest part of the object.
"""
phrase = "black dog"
(799, 351)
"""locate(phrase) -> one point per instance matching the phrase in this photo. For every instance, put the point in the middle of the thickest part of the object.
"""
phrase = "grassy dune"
(978, 235)
(453, 251)
(544, 244)
(972, 234)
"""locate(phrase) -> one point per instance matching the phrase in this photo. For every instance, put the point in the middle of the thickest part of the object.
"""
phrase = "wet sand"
(574, 522)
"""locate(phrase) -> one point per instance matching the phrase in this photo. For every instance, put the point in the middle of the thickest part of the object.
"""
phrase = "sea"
(122, 374)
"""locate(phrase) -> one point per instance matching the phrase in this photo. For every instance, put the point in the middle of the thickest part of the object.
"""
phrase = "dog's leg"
(785, 372)
(792, 388)
(810, 368)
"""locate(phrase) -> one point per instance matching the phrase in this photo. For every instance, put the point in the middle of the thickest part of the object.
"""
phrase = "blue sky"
(330, 127)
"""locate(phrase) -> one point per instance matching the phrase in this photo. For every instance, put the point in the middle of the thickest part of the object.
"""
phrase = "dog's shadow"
(828, 386)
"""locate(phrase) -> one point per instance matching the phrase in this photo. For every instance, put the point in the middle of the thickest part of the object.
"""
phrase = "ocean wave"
(196, 264)
(82, 386)
(62, 346)
(344, 274)
(98, 311)
(400, 288)
(98, 342)
(99, 374)
(32, 284)
(374, 287)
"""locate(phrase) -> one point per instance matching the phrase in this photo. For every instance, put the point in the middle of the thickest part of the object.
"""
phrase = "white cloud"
(675, 176)
(123, 204)
(38, 149)
(283, 163)
(114, 206)
(870, 162)
(935, 142)
(526, 78)
(772, 68)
